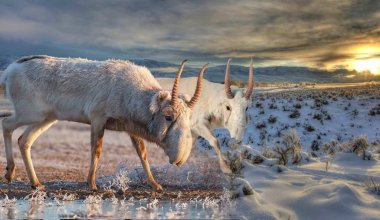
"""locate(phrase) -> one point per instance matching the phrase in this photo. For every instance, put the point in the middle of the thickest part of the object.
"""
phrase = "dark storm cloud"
(308, 32)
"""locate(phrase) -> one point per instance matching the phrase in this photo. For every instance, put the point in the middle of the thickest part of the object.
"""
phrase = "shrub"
(289, 149)
(240, 187)
(309, 127)
(360, 145)
(357, 145)
(272, 119)
(297, 105)
(373, 186)
(261, 125)
(252, 156)
(375, 110)
(318, 102)
(272, 106)
(330, 148)
(314, 145)
(285, 108)
(295, 114)
(355, 113)
(317, 116)
(235, 162)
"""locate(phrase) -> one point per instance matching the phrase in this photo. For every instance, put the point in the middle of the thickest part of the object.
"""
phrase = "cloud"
(282, 31)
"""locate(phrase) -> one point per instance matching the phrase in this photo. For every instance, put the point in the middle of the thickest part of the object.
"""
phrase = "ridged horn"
(176, 84)
(248, 93)
(227, 82)
(198, 89)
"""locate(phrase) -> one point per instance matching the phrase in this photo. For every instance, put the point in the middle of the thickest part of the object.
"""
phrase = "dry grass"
(358, 145)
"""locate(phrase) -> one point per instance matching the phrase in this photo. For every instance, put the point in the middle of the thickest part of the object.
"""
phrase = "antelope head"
(235, 104)
(171, 119)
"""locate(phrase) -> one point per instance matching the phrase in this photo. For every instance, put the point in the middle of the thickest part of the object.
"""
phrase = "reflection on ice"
(37, 205)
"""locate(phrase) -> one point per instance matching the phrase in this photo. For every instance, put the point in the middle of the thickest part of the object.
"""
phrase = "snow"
(349, 116)
(309, 190)
(312, 193)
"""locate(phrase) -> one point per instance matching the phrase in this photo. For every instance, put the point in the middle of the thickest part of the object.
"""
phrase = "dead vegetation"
(358, 145)
(375, 110)
(372, 186)
(289, 151)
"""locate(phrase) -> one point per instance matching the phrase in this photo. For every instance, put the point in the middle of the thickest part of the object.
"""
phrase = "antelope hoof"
(92, 186)
(157, 188)
(10, 174)
(38, 186)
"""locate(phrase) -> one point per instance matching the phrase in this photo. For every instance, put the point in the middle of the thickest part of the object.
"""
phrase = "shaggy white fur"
(112, 94)
(214, 110)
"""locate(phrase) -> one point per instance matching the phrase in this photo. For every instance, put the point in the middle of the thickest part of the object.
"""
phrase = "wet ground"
(95, 208)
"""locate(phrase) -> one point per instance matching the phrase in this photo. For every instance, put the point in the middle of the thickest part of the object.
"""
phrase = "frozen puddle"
(112, 209)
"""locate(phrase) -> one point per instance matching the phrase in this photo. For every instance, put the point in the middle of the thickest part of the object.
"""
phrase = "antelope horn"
(198, 89)
(175, 85)
(248, 93)
(227, 83)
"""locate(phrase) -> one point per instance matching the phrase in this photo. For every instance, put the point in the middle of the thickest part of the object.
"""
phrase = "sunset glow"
(365, 59)
(370, 65)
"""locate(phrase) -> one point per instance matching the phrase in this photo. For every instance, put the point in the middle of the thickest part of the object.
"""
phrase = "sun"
(370, 65)
(365, 61)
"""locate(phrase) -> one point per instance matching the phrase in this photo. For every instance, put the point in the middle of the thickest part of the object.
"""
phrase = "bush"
(297, 105)
(373, 186)
(317, 116)
(272, 119)
(235, 162)
(290, 149)
(295, 114)
(318, 102)
(261, 125)
(309, 128)
(331, 148)
(272, 106)
(254, 157)
(360, 145)
(314, 145)
(355, 113)
(375, 110)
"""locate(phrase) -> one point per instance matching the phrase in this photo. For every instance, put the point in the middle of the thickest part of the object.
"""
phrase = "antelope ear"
(158, 99)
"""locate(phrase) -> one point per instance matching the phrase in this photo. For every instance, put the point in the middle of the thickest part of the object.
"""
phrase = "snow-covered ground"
(330, 181)
(319, 115)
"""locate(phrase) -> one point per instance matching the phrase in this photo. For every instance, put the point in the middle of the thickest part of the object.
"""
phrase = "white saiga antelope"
(219, 107)
(113, 94)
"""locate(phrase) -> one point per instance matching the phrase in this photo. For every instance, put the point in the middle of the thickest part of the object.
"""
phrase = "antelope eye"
(228, 108)
(168, 118)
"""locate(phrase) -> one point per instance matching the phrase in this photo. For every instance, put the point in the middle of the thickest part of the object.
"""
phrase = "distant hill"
(273, 74)
(240, 73)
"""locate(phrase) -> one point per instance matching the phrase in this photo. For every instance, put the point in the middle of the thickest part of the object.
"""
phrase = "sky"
(326, 34)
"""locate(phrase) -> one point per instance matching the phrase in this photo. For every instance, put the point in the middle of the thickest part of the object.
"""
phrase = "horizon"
(300, 33)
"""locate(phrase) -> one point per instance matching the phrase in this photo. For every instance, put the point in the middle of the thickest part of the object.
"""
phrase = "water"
(97, 208)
